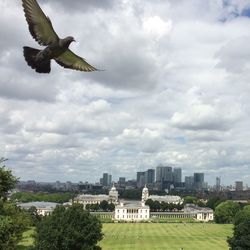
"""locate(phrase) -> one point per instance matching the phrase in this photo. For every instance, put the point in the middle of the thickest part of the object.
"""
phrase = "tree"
(213, 202)
(226, 211)
(35, 217)
(7, 181)
(111, 207)
(13, 220)
(242, 216)
(68, 229)
(190, 199)
(104, 205)
(241, 231)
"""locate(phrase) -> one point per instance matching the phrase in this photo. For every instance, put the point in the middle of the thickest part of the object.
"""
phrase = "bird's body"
(42, 31)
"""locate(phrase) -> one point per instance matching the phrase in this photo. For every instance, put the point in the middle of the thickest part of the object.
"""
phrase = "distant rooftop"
(39, 204)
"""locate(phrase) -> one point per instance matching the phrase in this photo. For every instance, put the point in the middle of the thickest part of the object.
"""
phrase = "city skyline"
(194, 181)
(174, 91)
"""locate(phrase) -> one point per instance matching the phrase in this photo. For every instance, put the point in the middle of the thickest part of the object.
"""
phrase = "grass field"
(167, 236)
(149, 236)
(27, 240)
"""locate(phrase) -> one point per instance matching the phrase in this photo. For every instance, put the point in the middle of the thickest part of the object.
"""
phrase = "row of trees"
(239, 215)
(13, 220)
(41, 196)
(103, 206)
(156, 206)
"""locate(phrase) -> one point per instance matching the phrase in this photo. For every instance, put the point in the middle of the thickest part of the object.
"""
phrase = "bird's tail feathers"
(41, 66)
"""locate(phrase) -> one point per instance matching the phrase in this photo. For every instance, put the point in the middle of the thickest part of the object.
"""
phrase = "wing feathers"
(40, 26)
(70, 60)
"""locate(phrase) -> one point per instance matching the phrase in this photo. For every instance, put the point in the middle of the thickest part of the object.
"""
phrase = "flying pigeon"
(42, 31)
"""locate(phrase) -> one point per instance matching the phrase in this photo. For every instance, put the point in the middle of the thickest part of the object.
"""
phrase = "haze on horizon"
(175, 91)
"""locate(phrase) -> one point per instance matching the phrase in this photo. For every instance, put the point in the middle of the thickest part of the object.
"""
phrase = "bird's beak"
(74, 40)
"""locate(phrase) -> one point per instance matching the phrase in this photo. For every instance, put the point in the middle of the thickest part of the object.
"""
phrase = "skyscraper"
(150, 176)
(217, 184)
(164, 174)
(122, 181)
(189, 182)
(105, 178)
(177, 175)
(109, 180)
(159, 173)
(239, 185)
(140, 179)
(167, 174)
(198, 180)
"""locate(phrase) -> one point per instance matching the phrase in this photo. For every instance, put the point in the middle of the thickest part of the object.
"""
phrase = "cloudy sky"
(175, 91)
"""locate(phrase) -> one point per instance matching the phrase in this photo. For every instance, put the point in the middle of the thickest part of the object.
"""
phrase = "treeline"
(103, 206)
(156, 206)
(239, 215)
(13, 220)
(40, 196)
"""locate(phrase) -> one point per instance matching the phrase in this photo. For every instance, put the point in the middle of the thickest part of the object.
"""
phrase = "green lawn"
(167, 236)
(27, 240)
(149, 236)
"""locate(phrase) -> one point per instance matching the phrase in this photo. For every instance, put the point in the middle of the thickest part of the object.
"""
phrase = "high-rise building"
(101, 181)
(109, 180)
(239, 185)
(177, 175)
(217, 184)
(105, 179)
(159, 173)
(168, 174)
(140, 179)
(199, 180)
(122, 181)
(164, 174)
(150, 176)
(189, 182)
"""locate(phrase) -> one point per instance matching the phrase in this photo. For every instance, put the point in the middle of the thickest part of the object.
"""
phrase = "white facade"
(201, 213)
(163, 198)
(86, 199)
(205, 216)
(132, 212)
(43, 208)
(167, 198)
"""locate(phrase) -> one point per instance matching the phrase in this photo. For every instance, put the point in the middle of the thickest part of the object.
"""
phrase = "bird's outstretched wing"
(40, 26)
(70, 60)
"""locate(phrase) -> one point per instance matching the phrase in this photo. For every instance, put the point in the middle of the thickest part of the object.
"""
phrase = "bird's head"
(68, 40)
(71, 39)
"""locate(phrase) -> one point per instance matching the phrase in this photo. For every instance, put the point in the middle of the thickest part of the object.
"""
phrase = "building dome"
(113, 188)
(145, 189)
(145, 194)
(113, 194)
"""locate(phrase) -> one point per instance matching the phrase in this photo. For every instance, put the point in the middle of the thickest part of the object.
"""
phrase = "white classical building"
(201, 213)
(97, 199)
(174, 199)
(43, 208)
(132, 212)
